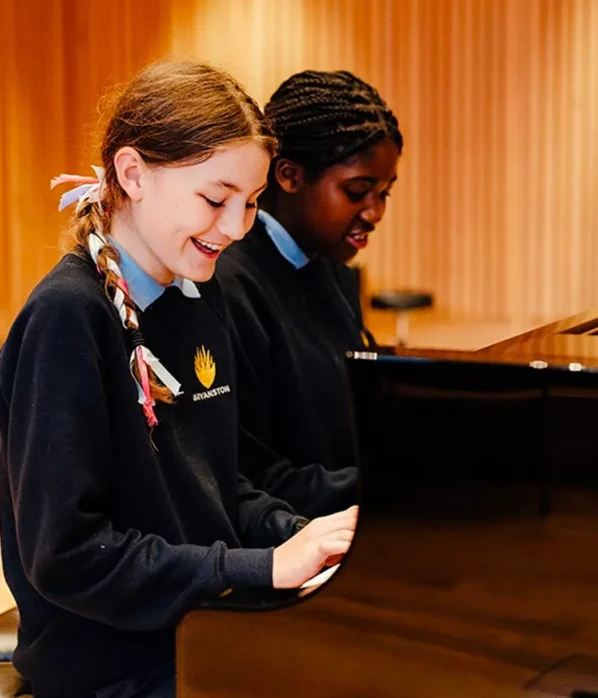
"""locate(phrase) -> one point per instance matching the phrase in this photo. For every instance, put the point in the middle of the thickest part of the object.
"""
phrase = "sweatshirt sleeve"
(265, 520)
(58, 460)
(311, 489)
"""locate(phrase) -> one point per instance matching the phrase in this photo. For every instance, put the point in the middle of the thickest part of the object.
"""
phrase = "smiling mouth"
(358, 240)
(211, 250)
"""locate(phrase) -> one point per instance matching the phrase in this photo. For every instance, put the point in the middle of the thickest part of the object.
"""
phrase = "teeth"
(210, 245)
(359, 236)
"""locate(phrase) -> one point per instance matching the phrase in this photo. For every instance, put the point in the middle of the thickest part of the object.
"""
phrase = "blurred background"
(495, 210)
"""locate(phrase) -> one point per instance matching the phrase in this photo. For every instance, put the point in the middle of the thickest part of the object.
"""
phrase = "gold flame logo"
(205, 367)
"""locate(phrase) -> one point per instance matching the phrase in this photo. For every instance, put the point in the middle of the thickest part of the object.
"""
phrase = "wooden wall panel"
(498, 101)
(56, 58)
(494, 209)
(31, 106)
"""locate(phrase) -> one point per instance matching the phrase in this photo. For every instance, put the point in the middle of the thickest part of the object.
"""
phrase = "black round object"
(401, 300)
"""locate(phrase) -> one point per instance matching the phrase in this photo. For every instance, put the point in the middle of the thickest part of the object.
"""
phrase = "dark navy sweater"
(109, 539)
(292, 329)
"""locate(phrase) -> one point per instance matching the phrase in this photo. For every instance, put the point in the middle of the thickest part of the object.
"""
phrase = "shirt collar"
(282, 240)
(143, 288)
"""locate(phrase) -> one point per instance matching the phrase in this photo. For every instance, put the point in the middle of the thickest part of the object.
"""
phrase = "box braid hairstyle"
(323, 118)
(172, 114)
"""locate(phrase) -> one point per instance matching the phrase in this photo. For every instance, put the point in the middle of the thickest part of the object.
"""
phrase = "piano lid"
(574, 338)
(571, 341)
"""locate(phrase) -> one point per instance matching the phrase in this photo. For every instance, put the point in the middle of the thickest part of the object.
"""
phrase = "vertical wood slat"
(494, 209)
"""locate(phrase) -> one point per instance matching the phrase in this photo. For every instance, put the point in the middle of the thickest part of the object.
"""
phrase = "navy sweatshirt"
(109, 539)
(292, 329)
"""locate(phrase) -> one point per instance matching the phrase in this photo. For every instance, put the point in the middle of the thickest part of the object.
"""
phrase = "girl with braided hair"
(293, 301)
(122, 503)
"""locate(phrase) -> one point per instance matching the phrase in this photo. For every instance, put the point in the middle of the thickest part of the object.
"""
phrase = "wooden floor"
(464, 608)
(8, 639)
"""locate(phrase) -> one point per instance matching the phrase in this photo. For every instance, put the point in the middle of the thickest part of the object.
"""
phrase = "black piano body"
(474, 569)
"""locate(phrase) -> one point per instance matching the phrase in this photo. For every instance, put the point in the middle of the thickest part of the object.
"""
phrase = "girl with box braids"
(292, 297)
(323, 118)
(339, 146)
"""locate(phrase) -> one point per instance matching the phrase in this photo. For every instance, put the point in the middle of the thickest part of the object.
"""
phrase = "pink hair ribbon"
(87, 189)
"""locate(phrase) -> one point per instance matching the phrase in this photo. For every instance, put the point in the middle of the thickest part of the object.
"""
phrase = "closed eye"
(213, 204)
(220, 204)
(356, 196)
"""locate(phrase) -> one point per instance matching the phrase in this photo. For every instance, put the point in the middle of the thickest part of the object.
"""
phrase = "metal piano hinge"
(368, 355)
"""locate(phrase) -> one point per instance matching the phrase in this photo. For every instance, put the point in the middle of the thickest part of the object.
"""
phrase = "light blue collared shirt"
(144, 289)
(284, 243)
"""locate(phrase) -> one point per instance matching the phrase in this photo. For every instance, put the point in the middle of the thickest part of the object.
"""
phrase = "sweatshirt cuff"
(301, 522)
(249, 567)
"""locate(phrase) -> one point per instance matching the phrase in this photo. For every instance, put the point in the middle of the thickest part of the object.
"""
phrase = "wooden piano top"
(572, 340)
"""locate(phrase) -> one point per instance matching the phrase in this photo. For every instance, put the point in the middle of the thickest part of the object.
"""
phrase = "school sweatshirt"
(292, 328)
(110, 534)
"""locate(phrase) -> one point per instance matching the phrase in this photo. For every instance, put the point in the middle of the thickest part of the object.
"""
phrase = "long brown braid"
(172, 114)
(90, 218)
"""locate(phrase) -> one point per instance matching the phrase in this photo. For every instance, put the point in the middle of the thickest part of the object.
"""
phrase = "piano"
(474, 568)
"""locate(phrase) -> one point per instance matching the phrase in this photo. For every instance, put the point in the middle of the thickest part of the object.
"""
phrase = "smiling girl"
(293, 302)
(123, 507)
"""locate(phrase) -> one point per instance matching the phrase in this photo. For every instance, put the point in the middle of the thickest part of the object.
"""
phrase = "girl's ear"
(130, 170)
(289, 175)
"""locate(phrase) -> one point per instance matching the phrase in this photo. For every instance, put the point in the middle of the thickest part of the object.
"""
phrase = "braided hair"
(171, 113)
(323, 118)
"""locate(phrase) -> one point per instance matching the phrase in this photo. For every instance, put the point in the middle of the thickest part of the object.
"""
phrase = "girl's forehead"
(235, 168)
(376, 164)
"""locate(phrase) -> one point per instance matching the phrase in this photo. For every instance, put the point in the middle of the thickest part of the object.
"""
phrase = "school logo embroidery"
(205, 367)
(205, 370)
